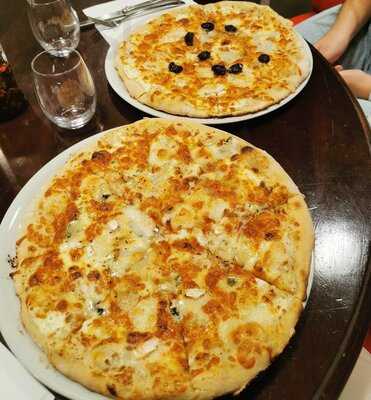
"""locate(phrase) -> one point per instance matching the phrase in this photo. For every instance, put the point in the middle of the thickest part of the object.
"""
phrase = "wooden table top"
(320, 138)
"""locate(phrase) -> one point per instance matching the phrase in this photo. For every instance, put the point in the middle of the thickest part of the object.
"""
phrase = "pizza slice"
(136, 353)
(167, 77)
(114, 333)
(233, 323)
(242, 208)
(272, 243)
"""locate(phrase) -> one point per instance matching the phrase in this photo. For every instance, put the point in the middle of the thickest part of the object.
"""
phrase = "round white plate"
(119, 87)
(11, 227)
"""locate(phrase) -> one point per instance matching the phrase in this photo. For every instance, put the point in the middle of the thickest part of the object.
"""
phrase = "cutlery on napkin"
(113, 35)
(113, 19)
(16, 383)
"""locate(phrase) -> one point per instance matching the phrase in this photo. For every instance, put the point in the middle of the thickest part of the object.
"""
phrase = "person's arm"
(352, 16)
(359, 82)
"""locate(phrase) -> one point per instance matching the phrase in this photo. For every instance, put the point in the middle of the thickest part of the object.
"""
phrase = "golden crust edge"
(303, 253)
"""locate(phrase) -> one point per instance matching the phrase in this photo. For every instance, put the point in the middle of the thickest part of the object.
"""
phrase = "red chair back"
(320, 5)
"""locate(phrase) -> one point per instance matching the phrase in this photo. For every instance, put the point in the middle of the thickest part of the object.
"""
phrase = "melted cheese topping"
(53, 322)
(171, 250)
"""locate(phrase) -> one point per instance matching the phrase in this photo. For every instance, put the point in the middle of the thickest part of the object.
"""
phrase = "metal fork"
(114, 19)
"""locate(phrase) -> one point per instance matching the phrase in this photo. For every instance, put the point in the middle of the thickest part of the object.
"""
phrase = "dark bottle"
(12, 101)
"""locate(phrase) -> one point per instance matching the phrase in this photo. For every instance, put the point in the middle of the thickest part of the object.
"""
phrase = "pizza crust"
(305, 243)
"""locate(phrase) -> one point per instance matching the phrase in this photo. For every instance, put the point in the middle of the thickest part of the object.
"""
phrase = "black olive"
(208, 26)
(235, 68)
(219, 69)
(174, 311)
(100, 311)
(231, 281)
(175, 68)
(264, 58)
(230, 28)
(188, 38)
(204, 55)
(105, 196)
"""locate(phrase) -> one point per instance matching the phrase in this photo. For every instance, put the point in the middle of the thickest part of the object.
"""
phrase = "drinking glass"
(64, 89)
(55, 25)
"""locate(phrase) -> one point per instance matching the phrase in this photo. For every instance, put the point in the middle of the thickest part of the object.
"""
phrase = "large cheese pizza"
(226, 58)
(167, 261)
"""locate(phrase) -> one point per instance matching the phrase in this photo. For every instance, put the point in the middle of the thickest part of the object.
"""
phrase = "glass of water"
(64, 89)
(55, 25)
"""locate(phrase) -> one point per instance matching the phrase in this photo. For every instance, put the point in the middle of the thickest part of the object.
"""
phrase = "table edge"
(342, 365)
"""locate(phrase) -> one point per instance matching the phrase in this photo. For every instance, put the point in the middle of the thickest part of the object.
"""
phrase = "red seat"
(317, 6)
(320, 5)
(367, 343)
(300, 18)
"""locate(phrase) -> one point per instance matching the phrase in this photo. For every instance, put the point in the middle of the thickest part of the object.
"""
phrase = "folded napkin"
(366, 107)
(114, 35)
(16, 383)
(359, 384)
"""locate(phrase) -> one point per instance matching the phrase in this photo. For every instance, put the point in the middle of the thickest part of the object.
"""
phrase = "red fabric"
(300, 18)
(317, 6)
(320, 5)
(367, 342)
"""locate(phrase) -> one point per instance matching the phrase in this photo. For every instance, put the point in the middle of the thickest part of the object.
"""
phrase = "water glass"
(55, 25)
(64, 89)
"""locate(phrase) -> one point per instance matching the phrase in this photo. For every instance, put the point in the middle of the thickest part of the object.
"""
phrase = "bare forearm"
(352, 16)
(358, 81)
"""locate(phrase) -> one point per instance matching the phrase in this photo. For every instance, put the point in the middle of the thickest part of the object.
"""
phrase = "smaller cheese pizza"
(168, 260)
(226, 58)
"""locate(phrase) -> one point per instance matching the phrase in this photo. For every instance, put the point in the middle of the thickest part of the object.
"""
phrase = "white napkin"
(366, 107)
(359, 384)
(16, 383)
(113, 35)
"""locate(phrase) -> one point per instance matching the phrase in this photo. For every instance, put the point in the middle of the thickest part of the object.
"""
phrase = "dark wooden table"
(321, 138)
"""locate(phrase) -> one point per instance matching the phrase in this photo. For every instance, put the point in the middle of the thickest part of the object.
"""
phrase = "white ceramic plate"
(119, 87)
(22, 346)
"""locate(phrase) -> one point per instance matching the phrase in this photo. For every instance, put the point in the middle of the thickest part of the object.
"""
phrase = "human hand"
(332, 46)
(359, 82)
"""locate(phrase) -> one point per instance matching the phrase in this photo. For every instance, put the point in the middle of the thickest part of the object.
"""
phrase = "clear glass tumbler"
(55, 25)
(64, 89)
